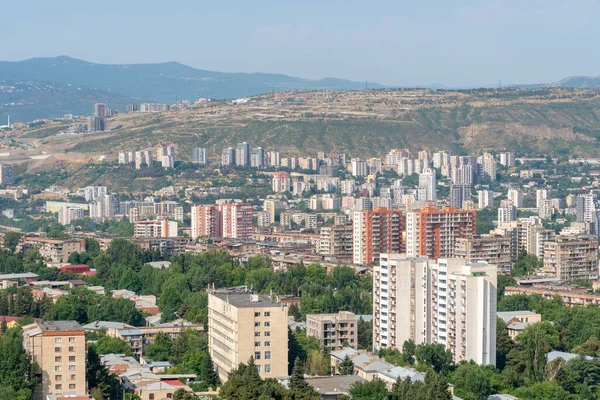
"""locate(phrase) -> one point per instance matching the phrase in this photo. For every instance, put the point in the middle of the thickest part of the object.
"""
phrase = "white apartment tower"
(507, 212)
(516, 197)
(485, 198)
(200, 156)
(450, 302)
(427, 186)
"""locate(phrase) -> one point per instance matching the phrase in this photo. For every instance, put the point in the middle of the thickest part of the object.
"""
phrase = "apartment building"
(333, 331)
(52, 250)
(200, 156)
(433, 233)
(281, 182)
(494, 249)
(237, 220)
(241, 325)
(374, 232)
(569, 257)
(507, 212)
(160, 228)
(336, 241)
(516, 197)
(6, 175)
(450, 302)
(68, 214)
(59, 348)
(206, 221)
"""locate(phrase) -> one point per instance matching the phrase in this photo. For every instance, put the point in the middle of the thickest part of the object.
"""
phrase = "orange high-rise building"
(433, 233)
(374, 232)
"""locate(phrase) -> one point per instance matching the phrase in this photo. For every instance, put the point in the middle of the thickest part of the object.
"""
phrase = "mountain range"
(52, 87)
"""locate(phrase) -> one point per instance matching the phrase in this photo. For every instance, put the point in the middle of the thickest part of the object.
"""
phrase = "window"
(267, 367)
(257, 314)
(71, 358)
(151, 396)
(71, 386)
(267, 313)
(57, 349)
(58, 386)
(58, 377)
(71, 349)
(257, 324)
(71, 368)
(267, 355)
(267, 323)
(169, 395)
(256, 344)
(351, 325)
(58, 368)
(57, 359)
(257, 355)
(57, 340)
(73, 377)
(267, 333)
(267, 344)
(258, 369)
(71, 340)
(256, 334)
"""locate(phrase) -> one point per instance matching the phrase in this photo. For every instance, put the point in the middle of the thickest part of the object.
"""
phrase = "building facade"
(333, 331)
(374, 232)
(236, 220)
(450, 302)
(241, 325)
(569, 257)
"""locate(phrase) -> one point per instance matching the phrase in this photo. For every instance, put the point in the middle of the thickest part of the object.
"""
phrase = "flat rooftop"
(245, 299)
(57, 326)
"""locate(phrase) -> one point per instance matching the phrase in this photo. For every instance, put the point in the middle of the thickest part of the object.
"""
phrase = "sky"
(396, 42)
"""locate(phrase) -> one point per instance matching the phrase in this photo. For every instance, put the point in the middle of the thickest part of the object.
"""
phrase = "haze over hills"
(52, 87)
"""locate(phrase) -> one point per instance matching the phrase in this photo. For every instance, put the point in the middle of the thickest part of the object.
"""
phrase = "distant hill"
(582, 82)
(163, 82)
(29, 100)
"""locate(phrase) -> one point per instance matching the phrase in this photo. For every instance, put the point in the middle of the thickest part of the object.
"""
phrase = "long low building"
(569, 297)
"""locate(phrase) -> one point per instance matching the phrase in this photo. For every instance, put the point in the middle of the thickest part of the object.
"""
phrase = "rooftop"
(105, 325)
(57, 326)
(337, 384)
(245, 298)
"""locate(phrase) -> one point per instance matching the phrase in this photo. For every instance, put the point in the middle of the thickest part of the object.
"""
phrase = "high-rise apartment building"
(228, 156)
(507, 159)
(487, 165)
(160, 228)
(333, 331)
(242, 155)
(569, 257)
(485, 198)
(281, 182)
(427, 186)
(359, 167)
(92, 193)
(336, 241)
(143, 158)
(432, 233)
(67, 214)
(585, 209)
(257, 157)
(236, 220)
(459, 194)
(492, 248)
(450, 302)
(60, 351)
(6, 175)
(200, 156)
(206, 221)
(546, 209)
(516, 197)
(374, 232)
(241, 325)
(507, 212)
(540, 195)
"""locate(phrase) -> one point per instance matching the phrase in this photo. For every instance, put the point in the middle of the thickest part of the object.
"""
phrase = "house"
(517, 321)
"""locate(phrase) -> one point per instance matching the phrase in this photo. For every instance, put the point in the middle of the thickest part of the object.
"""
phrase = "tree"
(471, 381)
(541, 391)
(503, 343)
(112, 345)
(17, 372)
(160, 350)
(102, 384)
(209, 375)
(245, 383)
(299, 388)
(408, 351)
(434, 355)
(370, 390)
(181, 394)
(436, 386)
(590, 347)
(294, 311)
(537, 340)
(364, 332)
(346, 367)
(317, 363)
(10, 240)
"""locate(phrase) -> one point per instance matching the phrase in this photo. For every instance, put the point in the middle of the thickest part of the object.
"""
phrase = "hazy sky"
(395, 42)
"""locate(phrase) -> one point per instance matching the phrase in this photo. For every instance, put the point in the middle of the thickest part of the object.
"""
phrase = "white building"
(450, 302)
(67, 214)
(199, 156)
(516, 197)
(507, 159)
(507, 212)
(359, 167)
(540, 195)
(427, 186)
(485, 198)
